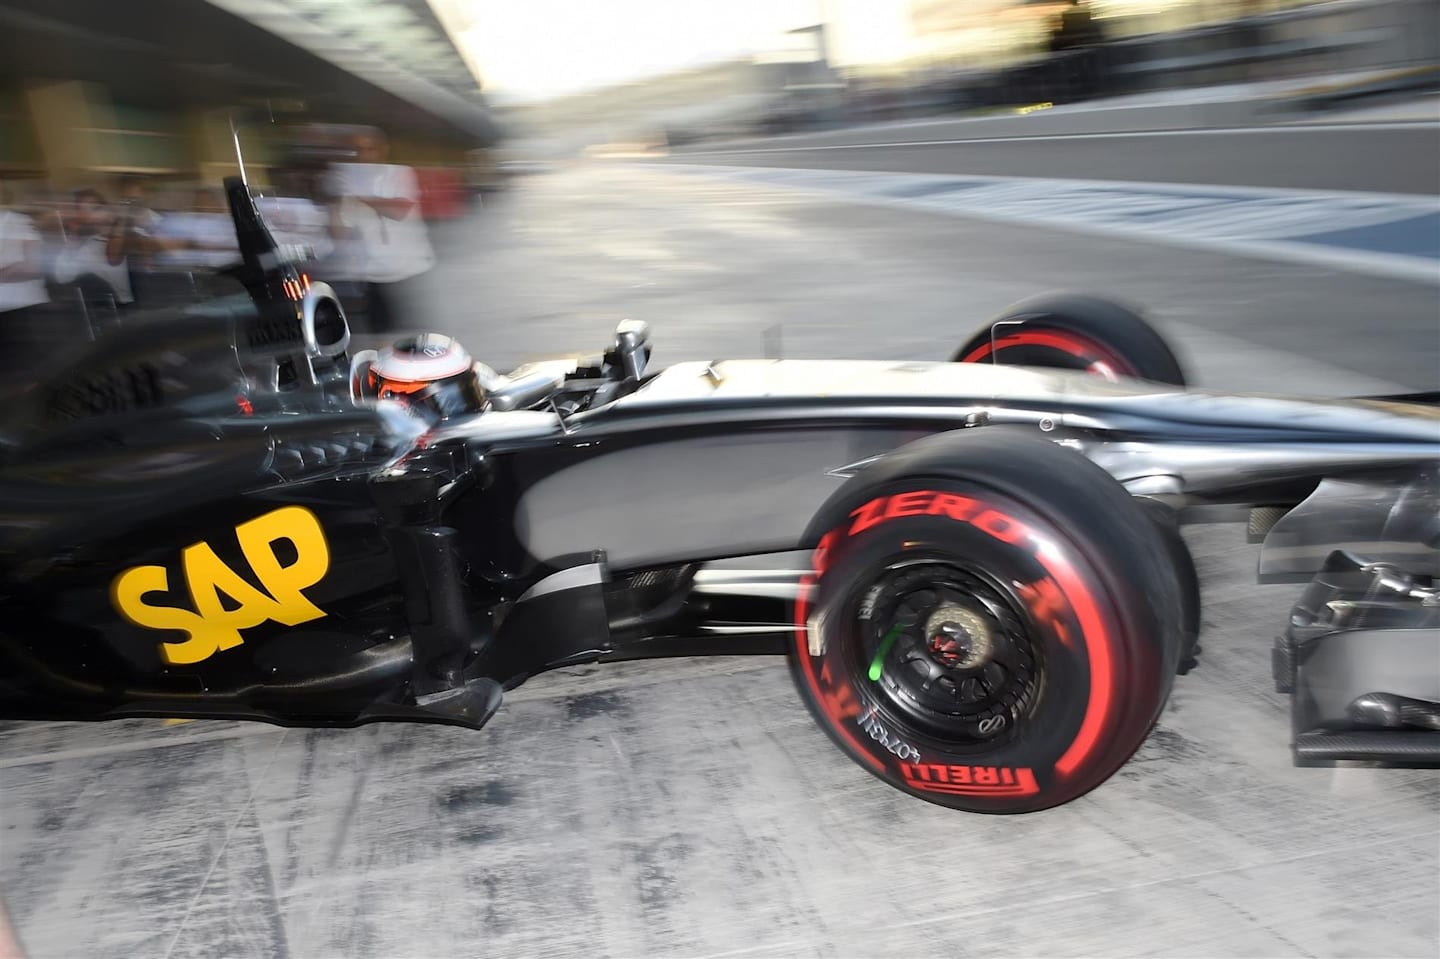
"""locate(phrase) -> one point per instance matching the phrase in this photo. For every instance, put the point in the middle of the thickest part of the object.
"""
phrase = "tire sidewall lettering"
(909, 762)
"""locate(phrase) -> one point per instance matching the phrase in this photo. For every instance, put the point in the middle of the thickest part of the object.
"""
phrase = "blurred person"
(140, 216)
(138, 219)
(1075, 40)
(201, 237)
(95, 256)
(185, 248)
(296, 220)
(381, 239)
(49, 211)
(24, 300)
(1075, 28)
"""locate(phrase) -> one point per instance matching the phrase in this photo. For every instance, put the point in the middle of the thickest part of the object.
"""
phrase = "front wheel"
(996, 636)
(1075, 332)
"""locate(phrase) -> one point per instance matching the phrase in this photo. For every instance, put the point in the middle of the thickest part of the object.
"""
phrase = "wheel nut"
(959, 638)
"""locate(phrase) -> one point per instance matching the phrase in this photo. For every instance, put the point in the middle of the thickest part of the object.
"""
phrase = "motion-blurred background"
(117, 119)
(821, 178)
(90, 89)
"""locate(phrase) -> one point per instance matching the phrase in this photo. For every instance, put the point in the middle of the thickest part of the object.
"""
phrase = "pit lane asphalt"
(692, 807)
(1234, 145)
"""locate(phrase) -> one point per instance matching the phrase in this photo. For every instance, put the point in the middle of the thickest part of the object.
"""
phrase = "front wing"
(1361, 659)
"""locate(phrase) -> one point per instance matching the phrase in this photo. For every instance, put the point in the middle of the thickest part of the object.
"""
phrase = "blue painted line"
(1176, 194)
(1417, 236)
(1396, 236)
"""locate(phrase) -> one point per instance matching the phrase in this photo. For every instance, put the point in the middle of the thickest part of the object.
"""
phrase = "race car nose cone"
(959, 638)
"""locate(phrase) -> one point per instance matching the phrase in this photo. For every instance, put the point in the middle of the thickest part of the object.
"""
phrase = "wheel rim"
(949, 651)
(1058, 348)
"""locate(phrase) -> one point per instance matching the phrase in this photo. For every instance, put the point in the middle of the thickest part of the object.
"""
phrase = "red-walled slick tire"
(1075, 332)
(991, 622)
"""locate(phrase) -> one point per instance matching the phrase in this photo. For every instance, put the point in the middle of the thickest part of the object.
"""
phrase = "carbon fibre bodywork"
(200, 518)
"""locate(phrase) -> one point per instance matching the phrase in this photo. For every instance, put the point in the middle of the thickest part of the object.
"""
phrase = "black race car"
(974, 566)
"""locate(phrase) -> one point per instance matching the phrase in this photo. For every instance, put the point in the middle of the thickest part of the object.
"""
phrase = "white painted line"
(1423, 204)
(1118, 135)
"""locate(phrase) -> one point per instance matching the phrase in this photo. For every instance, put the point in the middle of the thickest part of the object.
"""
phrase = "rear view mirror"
(322, 322)
(632, 341)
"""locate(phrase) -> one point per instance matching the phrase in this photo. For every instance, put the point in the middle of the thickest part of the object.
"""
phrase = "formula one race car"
(973, 566)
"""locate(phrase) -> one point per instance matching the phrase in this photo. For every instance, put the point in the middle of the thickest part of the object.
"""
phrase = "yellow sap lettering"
(215, 625)
(209, 577)
(128, 594)
(312, 560)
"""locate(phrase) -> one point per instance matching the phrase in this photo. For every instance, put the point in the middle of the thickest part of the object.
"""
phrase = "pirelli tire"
(1182, 563)
(990, 622)
(1078, 332)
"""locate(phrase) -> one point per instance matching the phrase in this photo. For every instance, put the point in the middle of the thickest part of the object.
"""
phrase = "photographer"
(95, 258)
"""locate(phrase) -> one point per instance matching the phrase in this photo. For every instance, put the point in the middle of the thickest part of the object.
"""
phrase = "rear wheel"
(994, 629)
(1074, 332)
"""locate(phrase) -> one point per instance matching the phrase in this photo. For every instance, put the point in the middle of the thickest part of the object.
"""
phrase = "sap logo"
(212, 625)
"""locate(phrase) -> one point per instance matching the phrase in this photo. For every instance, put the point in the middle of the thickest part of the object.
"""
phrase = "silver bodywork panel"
(730, 458)
(677, 499)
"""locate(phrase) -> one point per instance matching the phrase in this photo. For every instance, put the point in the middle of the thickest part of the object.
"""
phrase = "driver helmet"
(429, 372)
